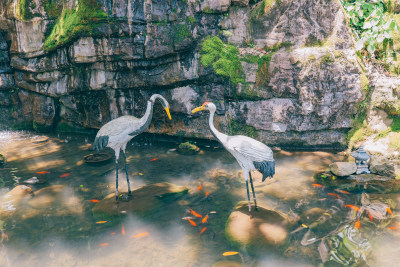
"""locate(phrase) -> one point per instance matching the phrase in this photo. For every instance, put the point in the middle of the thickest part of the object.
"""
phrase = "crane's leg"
(248, 195)
(127, 176)
(254, 193)
(116, 174)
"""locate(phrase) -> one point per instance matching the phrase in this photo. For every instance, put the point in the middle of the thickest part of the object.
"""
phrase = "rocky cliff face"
(75, 65)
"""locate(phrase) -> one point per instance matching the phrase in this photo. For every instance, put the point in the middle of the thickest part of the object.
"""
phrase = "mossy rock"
(2, 160)
(188, 148)
(265, 230)
(144, 201)
(369, 183)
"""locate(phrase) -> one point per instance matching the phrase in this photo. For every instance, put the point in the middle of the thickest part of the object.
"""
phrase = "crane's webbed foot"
(124, 197)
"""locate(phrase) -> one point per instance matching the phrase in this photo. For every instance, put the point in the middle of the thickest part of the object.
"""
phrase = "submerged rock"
(267, 229)
(188, 148)
(343, 168)
(13, 199)
(227, 264)
(145, 199)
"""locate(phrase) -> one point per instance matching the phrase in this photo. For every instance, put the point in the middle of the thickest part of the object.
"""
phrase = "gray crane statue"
(118, 132)
(249, 153)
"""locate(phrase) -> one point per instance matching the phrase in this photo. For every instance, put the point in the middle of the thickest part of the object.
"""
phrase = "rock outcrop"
(300, 87)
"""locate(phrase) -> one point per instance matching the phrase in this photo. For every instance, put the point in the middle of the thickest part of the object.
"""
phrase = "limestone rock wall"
(306, 95)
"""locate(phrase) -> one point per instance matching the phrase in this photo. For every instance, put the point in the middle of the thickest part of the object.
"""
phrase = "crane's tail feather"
(100, 142)
(267, 168)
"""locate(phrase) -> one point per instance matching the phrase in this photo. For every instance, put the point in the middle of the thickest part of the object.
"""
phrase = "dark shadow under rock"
(144, 200)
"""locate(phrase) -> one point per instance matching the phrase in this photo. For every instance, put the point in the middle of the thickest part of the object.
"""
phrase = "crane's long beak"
(169, 115)
(198, 109)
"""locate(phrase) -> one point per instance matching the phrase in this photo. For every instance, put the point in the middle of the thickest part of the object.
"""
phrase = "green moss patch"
(25, 10)
(223, 57)
(53, 8)
(239, 128)
(72, 24)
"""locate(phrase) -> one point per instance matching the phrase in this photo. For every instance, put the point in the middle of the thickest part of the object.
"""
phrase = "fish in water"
(94, 200)
(65, 175)
(140, 235)
(352, 207)
(192, 222)
(318, 185)
(195, 214)
(100, 222)
(103, 244)
(230, 253)
(123, 230)
(343, 191)
(199, 188)
(43, 172)
(358, 224)
(389, 210)
(154, 159)
(393, 227)
(335, 195)
(205, 219)
(203, 230)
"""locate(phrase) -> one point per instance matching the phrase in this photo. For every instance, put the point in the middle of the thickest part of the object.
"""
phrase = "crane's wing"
(251, 149)
(260, 154)
(122, 126)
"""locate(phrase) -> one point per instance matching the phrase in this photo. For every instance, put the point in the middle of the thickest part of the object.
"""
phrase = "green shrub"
(224, 58)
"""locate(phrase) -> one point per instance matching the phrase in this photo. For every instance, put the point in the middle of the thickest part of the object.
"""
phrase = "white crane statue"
(249, 153)
(118, 132)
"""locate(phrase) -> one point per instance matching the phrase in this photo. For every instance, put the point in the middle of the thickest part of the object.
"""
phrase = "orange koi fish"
(370, 216)
(123, 230)
(42, 172)
(205, 219)
(94, 200)
(305, 226)
(199, 188)
(103, 244)
(230, 253)
(100, 222)
(203, 230)
(192, 222)
(113, 233)
(358, 224)
(335, 195)
(140, 235)
(318, 185)
(393, 228)
(154, 159)
(344, 192)
(207, 194)
(397, 223)
(65, 175)
(352, 207)
(389, 210)
(195, 213)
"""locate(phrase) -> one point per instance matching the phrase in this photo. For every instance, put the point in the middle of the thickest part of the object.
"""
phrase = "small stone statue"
(361, 157)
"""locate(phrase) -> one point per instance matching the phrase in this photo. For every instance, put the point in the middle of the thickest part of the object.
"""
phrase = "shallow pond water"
(58, 228)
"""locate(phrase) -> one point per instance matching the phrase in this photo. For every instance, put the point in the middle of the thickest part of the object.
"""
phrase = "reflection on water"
(54, 224)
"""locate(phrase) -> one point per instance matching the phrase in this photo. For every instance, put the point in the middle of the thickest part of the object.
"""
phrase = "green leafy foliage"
(75, 23)
(370, 24)
(224, 58)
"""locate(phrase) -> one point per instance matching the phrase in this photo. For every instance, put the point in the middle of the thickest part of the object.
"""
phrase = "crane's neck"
(222, 138)
(146, 119)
